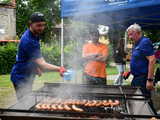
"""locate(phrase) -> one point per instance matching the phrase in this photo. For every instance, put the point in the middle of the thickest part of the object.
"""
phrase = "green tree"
(154, 35)
(5, 1)
(50, 8)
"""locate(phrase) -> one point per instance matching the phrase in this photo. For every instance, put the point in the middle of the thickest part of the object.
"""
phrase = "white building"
(7, 20)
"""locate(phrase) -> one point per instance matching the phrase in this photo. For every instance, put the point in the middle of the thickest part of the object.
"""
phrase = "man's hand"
(62, 70)
(38, 71)
(150, 85)
(126, 75)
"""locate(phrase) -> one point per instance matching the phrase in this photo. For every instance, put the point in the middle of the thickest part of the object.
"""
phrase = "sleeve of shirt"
(147, 48)
(33, 50)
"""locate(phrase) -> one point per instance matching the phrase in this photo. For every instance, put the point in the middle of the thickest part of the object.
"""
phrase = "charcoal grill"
(134, 106)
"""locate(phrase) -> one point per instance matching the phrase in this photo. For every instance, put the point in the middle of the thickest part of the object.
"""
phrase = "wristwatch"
(150, 79)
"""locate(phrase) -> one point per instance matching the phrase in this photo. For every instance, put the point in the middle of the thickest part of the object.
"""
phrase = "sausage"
(75, 108)
(48, 106)
(93, 103)
(83, 102)
(60, 107)
(99, 103)
(39, 106)
(53, 107)
(76, 102)
(110, 103)
(116, 103)
(44, 106)
(106, 103)
(67, 108)
(88, 103)
(71, 102)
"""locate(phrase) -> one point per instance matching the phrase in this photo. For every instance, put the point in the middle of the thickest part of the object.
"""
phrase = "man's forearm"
(46, 66)
(50, 67)
(151, 68)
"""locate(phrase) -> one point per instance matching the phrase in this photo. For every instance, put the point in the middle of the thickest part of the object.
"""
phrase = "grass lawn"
(111, 70)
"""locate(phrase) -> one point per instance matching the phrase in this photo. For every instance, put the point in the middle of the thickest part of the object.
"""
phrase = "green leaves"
(51, 53)
(5, 1)
(50, 8)
(7, 57)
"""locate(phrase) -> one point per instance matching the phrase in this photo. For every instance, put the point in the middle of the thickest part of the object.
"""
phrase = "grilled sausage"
(93, 103)
(116, 103)
(99, 103)
(44, 106)
(39, 106)
(75, 108)
(48, 106)
(69, 102)
(67, 108)
(83, 102)
(88, 103)
(110, 103)
(106, 103)
(53, 107)
(60, 107)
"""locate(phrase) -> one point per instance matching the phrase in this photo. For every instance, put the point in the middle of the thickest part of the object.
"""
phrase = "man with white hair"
(142, 60)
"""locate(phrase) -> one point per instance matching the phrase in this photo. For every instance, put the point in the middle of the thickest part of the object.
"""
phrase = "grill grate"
(129, 98)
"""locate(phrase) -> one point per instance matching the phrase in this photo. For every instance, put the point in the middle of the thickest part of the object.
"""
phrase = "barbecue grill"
(133, 105)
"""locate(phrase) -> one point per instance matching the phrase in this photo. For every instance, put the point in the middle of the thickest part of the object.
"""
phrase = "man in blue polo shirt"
(142, 60)
(29, 60)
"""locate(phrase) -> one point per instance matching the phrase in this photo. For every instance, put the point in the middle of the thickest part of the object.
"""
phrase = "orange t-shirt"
(95, 68)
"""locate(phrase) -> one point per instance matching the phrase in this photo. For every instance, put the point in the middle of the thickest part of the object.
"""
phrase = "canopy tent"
(108, 12)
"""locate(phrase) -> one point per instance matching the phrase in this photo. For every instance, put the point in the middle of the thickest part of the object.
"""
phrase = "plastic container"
(68, 75)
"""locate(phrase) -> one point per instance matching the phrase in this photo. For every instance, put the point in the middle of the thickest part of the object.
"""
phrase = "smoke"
(76, 35)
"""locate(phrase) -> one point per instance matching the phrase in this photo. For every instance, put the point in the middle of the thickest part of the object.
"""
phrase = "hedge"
(51, 53)
(7, 57)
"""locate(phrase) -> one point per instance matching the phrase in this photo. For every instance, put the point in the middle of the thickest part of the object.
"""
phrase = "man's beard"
(38, 32)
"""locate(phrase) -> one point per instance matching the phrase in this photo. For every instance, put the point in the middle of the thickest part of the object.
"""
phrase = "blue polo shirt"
(139, 62)
(28, 51)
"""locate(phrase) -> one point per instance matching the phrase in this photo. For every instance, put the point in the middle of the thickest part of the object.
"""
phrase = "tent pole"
(62, 42)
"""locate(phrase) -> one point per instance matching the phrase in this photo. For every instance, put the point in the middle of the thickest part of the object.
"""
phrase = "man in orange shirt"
(95, 55)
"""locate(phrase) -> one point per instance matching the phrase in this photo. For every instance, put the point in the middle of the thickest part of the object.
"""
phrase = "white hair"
(134, 27)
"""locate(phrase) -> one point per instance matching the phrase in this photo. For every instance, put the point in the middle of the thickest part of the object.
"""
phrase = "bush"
(51, 53)
(7, 57)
